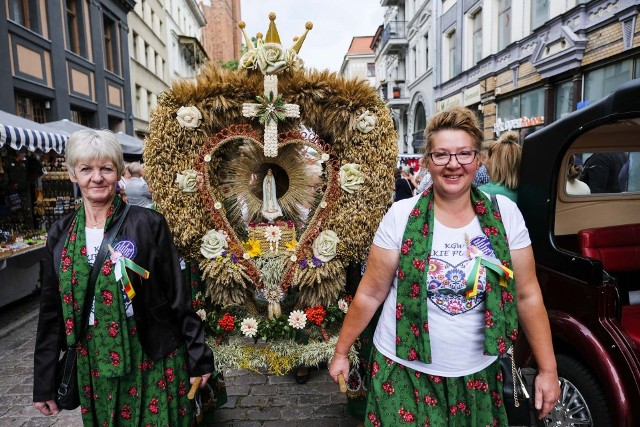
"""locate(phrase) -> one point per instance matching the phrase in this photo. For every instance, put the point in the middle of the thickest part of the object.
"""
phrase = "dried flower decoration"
(297, 319)
(213, 244)
(189, 117)
(187, 181)
(325, 245)
(366, 122)
(351, 177)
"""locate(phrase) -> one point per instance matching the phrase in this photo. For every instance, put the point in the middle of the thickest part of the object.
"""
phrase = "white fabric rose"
(189, 117)
(272, 58)
(366, 122)
(187, 180)
(213, 243)
(325, 245)
(351, 177)
(248, 61)
(202, 314)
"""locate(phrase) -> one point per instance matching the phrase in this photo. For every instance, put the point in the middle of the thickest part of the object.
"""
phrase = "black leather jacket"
(162, 305)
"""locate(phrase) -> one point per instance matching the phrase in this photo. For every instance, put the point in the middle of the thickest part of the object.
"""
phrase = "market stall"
(34, 192)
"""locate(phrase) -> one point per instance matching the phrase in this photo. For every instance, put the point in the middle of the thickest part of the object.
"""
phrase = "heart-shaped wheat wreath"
(274, 294)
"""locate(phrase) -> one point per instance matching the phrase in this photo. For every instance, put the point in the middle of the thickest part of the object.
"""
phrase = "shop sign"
(522, 122)
(472, 95)
(452, 101)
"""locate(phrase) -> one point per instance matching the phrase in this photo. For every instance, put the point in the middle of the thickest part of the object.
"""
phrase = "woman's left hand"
(547, 392)
(205, 378)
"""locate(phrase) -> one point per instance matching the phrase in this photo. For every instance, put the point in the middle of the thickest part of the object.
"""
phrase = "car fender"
(599, 360)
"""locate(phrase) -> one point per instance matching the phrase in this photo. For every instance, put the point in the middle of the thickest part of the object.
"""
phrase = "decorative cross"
(269, 110)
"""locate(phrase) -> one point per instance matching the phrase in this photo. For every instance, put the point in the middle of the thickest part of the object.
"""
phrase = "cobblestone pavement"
(254, 400)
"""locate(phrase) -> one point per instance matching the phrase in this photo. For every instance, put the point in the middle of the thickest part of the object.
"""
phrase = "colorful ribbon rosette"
(121, 264)
(471, 288)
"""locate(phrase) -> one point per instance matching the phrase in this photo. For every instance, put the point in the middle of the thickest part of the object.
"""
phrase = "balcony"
(396, 96)
(193, 51)
(394, 38)
(385, 3)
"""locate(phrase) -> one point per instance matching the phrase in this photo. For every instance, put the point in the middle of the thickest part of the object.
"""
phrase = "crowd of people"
(439, 330)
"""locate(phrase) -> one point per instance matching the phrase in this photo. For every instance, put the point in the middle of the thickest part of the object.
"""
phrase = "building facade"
(522, 65)
(404, 49)
(221, 37)
(359, 62)
(67, 60)
(164, 46)
(184, 20)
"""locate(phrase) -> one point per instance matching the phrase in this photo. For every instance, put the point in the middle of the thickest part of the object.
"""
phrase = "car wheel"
(582, 402)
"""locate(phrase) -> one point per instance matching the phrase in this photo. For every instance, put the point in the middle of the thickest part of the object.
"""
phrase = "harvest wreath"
(271, 199)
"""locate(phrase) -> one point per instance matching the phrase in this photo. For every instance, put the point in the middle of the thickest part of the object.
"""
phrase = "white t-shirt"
(456, 324)
(94, 238)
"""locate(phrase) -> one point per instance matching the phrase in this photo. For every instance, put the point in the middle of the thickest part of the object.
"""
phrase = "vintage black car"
(585, 232)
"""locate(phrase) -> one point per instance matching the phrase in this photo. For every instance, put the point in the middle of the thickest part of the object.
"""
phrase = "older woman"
(503, 165)
(440, 333)
(140, 346)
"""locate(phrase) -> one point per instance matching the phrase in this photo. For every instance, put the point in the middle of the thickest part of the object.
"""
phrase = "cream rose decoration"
(187, 180)
(295, 62)
(325, 245)
(189, 117)
(366, 122)
(351, 177)
(213, 243)
(272, 58)
(248, 61)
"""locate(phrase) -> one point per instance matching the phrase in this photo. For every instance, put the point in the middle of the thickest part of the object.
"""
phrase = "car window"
(602, 172)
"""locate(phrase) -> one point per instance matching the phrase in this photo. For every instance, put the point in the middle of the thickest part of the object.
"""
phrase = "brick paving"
(254, 400)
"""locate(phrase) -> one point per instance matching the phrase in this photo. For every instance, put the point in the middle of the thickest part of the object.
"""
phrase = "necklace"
(94, 224)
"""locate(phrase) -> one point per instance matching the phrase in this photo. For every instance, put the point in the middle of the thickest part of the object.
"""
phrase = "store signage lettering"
(472, 95)
(522, 122)
(452, 101)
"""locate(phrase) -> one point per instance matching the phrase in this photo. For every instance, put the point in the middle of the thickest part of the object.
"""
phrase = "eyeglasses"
(440, 158)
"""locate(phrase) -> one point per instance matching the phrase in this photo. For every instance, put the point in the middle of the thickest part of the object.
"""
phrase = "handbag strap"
(102, 253)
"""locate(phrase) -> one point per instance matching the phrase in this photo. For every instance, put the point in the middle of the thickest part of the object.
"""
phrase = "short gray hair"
(135, 168)
(89, 144)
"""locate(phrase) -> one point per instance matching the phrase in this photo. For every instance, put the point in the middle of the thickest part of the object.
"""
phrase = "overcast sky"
(335, 23)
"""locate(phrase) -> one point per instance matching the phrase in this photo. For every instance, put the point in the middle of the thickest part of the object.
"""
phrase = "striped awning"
(31, 139)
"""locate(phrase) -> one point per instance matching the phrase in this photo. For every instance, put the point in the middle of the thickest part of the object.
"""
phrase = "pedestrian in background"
(503, 165)
(440, 334)
(405, 186)
(138, 192)
(143, 340)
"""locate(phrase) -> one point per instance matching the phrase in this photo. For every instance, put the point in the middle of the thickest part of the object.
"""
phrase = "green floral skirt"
(402, 396)
(153, 393)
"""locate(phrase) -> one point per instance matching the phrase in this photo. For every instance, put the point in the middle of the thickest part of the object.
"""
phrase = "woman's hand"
(547, 392)
(47, 408)
(339, 365)
(205, 378)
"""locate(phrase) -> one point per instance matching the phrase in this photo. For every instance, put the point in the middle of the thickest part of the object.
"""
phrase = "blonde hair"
(88, 144)
(456, 118)
(503, 164)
